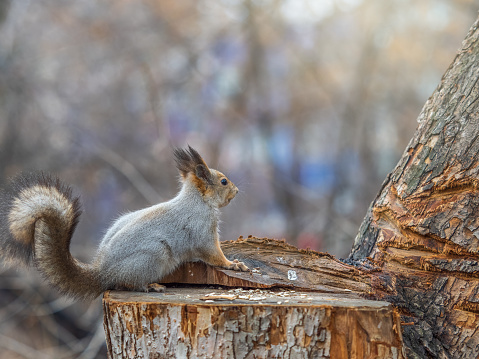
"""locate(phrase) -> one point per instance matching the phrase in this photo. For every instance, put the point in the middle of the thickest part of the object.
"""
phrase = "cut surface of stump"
(240, 323)
(276, 264)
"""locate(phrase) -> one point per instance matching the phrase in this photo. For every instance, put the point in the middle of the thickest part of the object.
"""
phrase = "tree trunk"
(422, 229)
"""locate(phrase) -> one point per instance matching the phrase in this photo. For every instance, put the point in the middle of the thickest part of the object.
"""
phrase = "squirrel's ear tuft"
(203, 173)
(182, 160)
(188, 160)
(195, 156)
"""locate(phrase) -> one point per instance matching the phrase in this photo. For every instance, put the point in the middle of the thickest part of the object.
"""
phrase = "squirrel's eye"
(224, 181)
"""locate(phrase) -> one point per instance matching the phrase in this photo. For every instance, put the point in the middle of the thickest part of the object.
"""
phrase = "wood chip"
(213, 297)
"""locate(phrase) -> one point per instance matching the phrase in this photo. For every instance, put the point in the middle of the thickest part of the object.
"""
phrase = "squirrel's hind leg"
(155, 287)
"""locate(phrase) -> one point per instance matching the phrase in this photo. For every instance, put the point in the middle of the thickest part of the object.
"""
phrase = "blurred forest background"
(305, 104)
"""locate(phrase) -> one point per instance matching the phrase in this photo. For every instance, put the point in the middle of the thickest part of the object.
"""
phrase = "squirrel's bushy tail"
(38, 216)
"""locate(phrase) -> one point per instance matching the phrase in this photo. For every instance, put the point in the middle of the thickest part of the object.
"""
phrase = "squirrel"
(39, 215)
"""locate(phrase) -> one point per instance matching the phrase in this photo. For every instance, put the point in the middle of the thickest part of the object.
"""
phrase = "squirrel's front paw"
(239, 266)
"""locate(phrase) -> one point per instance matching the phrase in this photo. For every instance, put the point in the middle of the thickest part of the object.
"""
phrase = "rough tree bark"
(422, 230)
(418, 247)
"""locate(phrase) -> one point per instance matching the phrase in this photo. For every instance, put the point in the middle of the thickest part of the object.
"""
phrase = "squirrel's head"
(216, 189)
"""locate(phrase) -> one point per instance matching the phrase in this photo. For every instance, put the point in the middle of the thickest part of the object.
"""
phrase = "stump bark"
(205, 323)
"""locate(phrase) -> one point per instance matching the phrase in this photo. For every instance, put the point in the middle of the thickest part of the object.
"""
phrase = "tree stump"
(297, 304)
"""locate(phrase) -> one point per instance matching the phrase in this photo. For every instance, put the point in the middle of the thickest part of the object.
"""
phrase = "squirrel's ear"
(202, 172)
